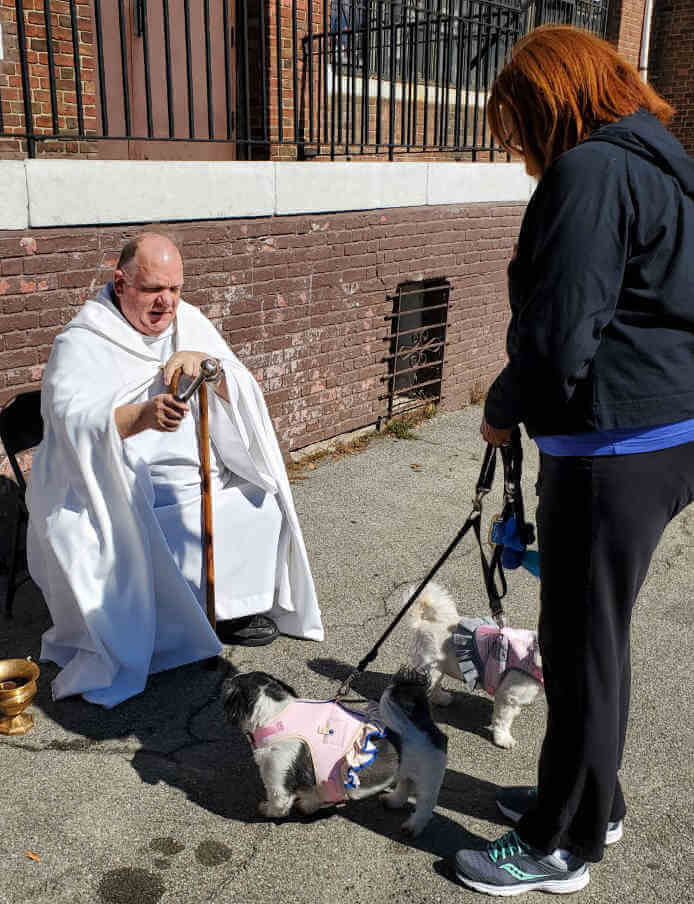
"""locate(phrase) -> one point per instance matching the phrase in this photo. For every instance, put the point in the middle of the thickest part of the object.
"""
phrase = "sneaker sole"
(552, 886)
(612, 836)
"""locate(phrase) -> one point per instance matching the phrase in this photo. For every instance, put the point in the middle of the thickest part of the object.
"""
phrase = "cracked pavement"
(155, 800)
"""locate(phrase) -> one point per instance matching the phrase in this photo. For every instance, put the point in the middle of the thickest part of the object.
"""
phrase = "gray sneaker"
(509, 867)
(515, 802)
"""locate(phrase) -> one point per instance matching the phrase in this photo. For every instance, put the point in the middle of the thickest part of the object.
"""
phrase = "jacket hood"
(644, 134)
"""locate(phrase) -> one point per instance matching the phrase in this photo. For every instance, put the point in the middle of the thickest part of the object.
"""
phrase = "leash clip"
(477, 500)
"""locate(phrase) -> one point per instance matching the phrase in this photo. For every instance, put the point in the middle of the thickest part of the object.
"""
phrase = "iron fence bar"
(353, 48)
(414, 330)
(411, 370)
(333, 105)
(379, 73)
(295, 75)
(167, 65)
(78, 67)
(278, 43)
(447, 82)
(403, 61)
(189, 69)
(366, 51)
(477, 82)
(263, 71)
(391, 387)
(208, 71)
(458, 81)
(148, 82)
(391, 109)
(26, 88)
(247, 83)
(337, 65)
(227, 67)
(310, 72)
(418, 385)
(468, 33)
(406, 351)
(414, 75)
(326, 21)
(124, 67)
(496, 68)
(426, 401)
(425, 290)
(437, 85)
(410, 76)
(51, 64)
(427, 62)
(486, 83)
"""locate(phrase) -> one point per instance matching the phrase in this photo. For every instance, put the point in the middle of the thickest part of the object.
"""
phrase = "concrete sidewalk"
(155, 801)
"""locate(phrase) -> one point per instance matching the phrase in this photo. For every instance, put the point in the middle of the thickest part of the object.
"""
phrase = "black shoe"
(250, 631)
(516, 801)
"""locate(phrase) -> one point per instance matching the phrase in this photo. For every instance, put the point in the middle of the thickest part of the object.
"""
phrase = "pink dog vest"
(502, 649)
(340, 741)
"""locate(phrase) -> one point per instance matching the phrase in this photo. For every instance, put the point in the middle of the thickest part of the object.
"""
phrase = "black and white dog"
(318, 753)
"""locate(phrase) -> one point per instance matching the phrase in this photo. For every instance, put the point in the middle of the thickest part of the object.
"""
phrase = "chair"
(21, 428)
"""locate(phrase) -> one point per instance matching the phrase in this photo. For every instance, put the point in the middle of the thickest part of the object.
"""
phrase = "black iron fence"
(225, 79)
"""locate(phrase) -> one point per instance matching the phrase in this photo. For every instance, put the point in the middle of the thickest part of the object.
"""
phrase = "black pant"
(599, 521)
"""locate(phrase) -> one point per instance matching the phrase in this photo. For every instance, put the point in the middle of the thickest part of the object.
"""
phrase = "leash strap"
(484, 485)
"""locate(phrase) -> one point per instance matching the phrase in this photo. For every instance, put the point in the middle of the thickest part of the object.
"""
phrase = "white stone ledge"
(14, 203)
(75, 192)
(100, 192)
(469, 183)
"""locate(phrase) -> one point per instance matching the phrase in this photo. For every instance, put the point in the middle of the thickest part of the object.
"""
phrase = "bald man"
(115, 500)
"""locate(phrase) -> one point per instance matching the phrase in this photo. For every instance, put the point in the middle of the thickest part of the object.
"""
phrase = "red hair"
(560, 85)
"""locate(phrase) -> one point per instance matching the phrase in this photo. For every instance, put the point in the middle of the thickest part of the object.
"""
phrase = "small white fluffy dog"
(504, 662)
(314, 753)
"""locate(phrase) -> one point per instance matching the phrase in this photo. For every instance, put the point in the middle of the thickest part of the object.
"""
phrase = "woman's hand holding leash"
(495, 436)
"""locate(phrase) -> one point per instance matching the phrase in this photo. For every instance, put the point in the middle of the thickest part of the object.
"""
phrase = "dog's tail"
(434, 605)
(404, 707)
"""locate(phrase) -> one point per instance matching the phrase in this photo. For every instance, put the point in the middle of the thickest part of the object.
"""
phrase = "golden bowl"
(17, 690)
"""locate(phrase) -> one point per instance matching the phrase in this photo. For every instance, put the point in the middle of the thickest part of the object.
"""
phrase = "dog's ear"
(236, 701)
(278, 690)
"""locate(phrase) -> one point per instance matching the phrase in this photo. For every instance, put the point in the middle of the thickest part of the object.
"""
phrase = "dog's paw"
(413, 826)
(441, 698)
(393, 800)
(504, 739)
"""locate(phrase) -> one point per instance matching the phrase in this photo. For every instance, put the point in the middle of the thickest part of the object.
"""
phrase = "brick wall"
(302, 300)
(624, 26)
(671, 63)
(13, 112)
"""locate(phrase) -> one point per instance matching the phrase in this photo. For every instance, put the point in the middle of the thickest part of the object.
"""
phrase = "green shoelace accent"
(507, 846)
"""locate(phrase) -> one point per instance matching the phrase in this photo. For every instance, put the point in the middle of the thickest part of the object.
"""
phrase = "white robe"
(124, 601)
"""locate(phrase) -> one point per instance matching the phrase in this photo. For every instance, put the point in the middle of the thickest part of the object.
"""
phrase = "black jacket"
(602, 289)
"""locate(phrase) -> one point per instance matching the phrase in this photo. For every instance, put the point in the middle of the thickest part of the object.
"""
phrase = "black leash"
(512, 460)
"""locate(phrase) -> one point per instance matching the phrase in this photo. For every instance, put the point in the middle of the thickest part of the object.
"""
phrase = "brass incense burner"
(17, 690)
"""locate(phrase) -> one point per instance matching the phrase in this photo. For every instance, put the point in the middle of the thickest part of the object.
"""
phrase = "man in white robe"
(114, 538)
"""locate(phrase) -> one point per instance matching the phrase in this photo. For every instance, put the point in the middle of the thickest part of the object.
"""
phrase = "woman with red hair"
(601, 373)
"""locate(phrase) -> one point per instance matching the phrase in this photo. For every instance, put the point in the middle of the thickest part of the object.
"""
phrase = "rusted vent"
(417, 345)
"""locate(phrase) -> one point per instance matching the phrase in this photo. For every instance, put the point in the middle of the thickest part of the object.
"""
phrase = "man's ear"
(118, 281)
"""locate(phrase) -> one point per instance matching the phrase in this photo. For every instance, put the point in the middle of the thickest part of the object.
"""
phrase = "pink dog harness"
(340, 741)
(486, 653)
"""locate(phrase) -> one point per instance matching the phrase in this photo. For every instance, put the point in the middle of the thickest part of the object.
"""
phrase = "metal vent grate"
(417, 345)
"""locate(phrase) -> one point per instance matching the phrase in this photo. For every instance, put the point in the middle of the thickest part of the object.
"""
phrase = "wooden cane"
(207, 534)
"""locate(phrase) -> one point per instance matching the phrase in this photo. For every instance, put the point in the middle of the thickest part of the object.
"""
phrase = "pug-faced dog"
(314, 754)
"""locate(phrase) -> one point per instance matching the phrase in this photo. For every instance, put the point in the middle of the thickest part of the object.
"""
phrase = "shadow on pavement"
(177, 734)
